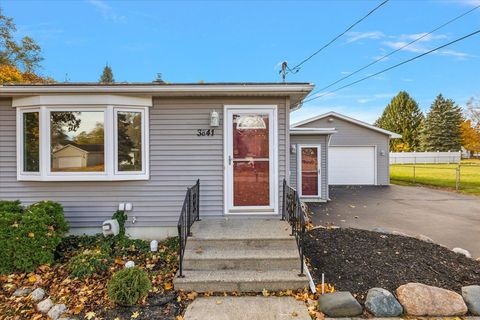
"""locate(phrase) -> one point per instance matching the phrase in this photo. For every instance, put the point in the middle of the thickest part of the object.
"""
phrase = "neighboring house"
(77, 156)
(159, 139)
(333, 149)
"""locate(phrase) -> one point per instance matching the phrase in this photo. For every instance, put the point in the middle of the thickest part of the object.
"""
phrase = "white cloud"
(473, 3)
(107, 12)
(456, 54)
(426, 37)
(356, 36)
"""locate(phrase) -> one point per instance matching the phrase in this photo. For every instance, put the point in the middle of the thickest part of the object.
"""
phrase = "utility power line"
(296, 68)
(396, 65)
(396, 50)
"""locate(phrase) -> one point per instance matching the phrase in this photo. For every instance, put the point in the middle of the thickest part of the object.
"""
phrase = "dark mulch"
(357, 260)
(161, 307)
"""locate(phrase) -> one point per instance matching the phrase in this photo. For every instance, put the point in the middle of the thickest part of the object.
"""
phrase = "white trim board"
(392, 135)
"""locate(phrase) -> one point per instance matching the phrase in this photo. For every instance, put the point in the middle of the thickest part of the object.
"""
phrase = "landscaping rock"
(56, 311)
(45, 305)
(462, 251)
(380, 230)
(471, 295)
(37, 294)
(381, 303)
(399, 233)
(424, 238)
(339, 304)
(22, 292)
(421, 300)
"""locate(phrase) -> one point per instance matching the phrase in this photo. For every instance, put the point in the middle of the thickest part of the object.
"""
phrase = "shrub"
(87, 263)
(11, 206)
(29, 239)
(128, 286)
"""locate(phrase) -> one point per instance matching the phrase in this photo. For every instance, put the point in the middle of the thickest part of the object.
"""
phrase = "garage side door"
(351, 165)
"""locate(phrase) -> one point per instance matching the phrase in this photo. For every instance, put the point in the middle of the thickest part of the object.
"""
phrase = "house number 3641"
(205, 132)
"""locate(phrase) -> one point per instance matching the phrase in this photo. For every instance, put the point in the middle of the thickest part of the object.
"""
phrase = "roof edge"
(391, 134)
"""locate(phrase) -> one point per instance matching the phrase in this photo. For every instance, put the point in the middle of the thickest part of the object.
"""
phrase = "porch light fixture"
(214, 119)
(293, 149)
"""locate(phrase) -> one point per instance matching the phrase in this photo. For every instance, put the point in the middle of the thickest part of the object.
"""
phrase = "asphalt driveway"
(448, 218)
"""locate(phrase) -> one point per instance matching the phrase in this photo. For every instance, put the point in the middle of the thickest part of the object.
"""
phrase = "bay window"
(93, 143)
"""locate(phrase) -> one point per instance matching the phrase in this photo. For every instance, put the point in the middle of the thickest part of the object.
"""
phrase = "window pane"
(77, 141)
(129, 126)
(251, 183)
(31, 139)
(309, 171)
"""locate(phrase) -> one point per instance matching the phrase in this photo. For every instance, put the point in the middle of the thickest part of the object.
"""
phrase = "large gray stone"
(37, 294)
(421, 300)
(45, 305)
(56, 311)
(471, 295)
(22, 292)
(381, 303)
(339, 304)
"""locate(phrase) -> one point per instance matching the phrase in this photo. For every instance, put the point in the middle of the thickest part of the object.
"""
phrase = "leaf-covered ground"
(88, 298)
(357, 260)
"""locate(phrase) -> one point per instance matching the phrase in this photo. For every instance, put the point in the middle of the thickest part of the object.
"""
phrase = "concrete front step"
(240, 281)
(256, 259)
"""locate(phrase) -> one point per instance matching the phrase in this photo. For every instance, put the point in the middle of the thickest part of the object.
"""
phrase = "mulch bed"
(357, 260)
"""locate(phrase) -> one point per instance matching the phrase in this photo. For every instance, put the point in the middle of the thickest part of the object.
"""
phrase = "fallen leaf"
(265, 293)
(294, 314)
(32, 278)
(218, 302)
(168, 286)
(90, 315)
(135, 315)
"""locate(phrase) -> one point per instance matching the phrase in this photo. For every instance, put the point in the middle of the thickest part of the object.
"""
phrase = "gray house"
(333, 149)
(152, 141)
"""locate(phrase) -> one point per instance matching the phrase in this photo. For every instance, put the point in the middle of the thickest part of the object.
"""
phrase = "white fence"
(425, 157)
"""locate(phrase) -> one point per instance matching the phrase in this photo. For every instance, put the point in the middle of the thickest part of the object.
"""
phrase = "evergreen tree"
(107, 75)
(403, 116)
(441, 130)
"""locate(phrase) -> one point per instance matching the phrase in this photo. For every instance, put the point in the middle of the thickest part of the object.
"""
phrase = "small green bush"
(11, 206)
(87, 263)
(128, 286)
(28, 239)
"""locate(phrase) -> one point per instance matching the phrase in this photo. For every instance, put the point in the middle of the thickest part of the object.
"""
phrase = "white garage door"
(351, 165)
(69, 162)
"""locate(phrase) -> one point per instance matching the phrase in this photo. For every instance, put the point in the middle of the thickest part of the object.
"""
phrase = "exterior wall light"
(293, 149)
(214, 119)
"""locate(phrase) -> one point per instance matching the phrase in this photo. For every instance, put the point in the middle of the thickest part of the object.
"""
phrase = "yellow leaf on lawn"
(31, 234)
(119, 261)
(135, 315)
(90, 315)
(168, 286)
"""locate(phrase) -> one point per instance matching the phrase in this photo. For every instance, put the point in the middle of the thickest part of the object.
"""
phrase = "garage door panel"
(351, 165)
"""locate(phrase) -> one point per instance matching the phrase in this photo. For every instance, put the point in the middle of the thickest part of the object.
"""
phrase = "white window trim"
(299, 169)
(110, 173)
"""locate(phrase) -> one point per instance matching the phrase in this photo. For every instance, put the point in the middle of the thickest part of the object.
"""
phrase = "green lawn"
(439, 175)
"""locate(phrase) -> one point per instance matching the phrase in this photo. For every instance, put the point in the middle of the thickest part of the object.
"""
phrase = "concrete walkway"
(247, 308)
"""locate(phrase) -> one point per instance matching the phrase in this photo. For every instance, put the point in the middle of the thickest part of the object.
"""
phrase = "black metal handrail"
(190, 213)
(292, 213)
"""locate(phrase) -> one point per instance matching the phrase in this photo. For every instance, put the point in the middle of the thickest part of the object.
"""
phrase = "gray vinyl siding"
(177, 158)
(350, 134)
(310, 139)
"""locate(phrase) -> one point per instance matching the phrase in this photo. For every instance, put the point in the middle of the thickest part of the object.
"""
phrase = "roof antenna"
(284, 70)
(66, 77)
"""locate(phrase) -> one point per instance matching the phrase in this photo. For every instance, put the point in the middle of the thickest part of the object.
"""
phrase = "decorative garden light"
(154, 246)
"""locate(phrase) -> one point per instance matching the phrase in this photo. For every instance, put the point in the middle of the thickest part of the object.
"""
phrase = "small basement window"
(87, 143)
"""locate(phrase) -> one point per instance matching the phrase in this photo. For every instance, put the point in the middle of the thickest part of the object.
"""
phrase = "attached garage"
(352, 165)
(357, 154)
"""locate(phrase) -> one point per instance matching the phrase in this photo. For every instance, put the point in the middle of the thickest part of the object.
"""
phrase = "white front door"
(251, 160)
(309, 173)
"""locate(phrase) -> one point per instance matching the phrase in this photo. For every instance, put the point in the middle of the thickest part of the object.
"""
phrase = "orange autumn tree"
(470, 136)
(19, 59)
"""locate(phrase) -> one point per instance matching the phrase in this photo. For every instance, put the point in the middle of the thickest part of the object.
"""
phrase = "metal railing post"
(189, 211)
(284, 200)
(414, 177)
(180, 263)
(198, 199)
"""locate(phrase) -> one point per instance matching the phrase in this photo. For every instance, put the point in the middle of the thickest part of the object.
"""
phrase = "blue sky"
(222, 41)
